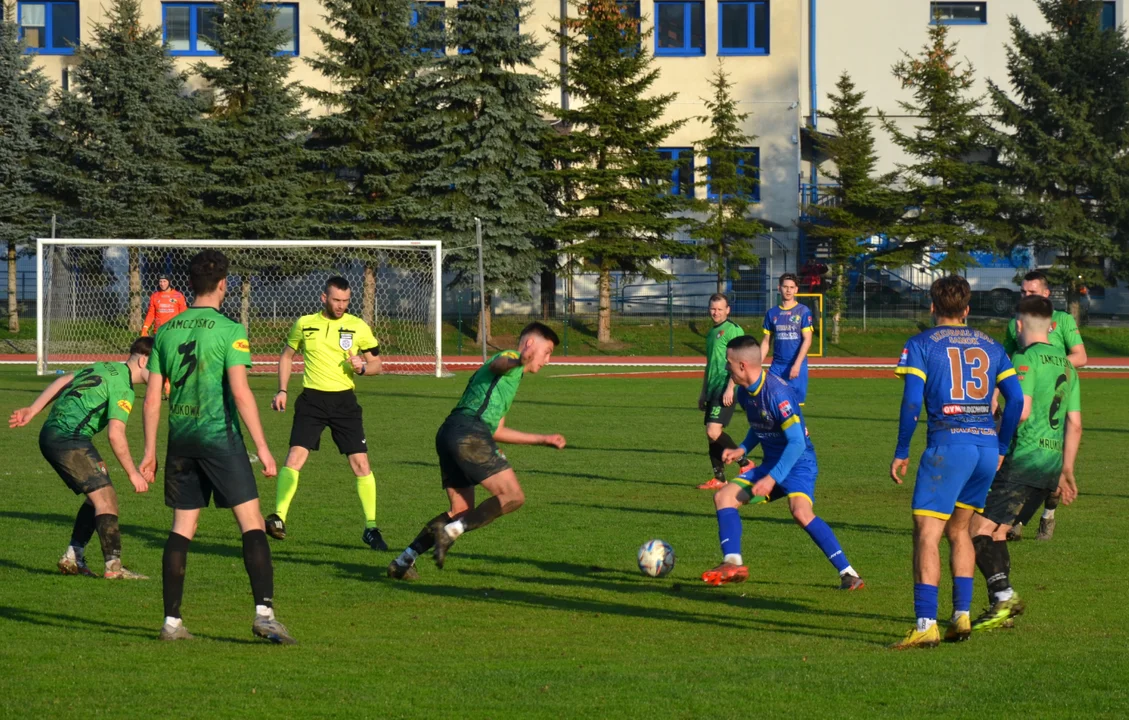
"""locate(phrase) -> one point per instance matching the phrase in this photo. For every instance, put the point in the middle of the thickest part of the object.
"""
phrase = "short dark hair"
(206, 270)
(336, 282)
(743, 342)
(1036, 306)
(950, 296)
(719, 297)
(789, 276)
(1037, 275)
(541, 330)
(141, 346)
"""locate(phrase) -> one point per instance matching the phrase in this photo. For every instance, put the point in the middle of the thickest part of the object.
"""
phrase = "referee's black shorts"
(339, 410)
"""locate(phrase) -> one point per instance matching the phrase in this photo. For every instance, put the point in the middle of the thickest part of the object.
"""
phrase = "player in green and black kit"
(87, 401)
(716, 397)
(205, 355)
(1041, 458)
(468, 455)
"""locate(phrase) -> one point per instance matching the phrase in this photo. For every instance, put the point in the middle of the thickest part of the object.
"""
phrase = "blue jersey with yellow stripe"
(961, 368)
(772, 408)
(787, 326)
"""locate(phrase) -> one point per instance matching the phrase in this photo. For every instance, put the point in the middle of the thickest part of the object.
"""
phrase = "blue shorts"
(953, 476)
(799, 385)
(799, 483)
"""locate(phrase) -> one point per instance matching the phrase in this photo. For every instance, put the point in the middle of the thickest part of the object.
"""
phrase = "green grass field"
(543, 614)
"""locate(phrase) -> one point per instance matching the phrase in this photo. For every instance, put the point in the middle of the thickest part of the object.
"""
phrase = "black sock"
(715, 459)
(994, 561)
(110, 536)
(174, 563)
(1052, 502)
(256, 558)
(83, 526)
(426, 539)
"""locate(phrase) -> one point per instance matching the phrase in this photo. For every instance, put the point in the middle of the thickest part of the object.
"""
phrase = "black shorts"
(191, 483)
(716, 412)
(467, 452)
(339, 410)
(77, 462)
(1009, 501)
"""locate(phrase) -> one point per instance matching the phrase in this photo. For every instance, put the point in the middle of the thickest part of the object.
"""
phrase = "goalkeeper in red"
(469, 455)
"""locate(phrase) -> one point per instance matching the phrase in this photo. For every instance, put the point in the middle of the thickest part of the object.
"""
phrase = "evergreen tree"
(732, 177)
(474, 144)
(620, 216)
(22, 123)
(1065, 127)
(948, 184)
(116, 147)
(859, 204)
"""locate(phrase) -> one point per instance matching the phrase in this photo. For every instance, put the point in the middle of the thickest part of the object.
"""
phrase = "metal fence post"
(568, 316)
(670, 317)
(864, 294)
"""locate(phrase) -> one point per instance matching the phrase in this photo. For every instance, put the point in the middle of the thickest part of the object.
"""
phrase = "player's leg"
(726, 501)
(346, 423)
(366, 490)
(73, 561)
(717, 419)
(1006, 502)
(962, 564)
(186, 495)
(800, 504)
(800, 383)
(461, 501)
(506, 496)
(310, 419)
(1047, 521)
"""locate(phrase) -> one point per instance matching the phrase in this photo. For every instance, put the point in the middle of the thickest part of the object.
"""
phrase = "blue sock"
(729, 531)
(823, 536)
(962, 594)
(925, 601)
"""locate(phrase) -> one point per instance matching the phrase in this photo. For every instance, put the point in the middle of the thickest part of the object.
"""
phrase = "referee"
(336, 347)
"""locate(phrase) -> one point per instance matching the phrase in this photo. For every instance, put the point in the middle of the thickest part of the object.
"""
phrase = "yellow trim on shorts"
(1005, 374)
(803, 495)
(910, 371)
(970, 507)
(789, 422)
(742, 482)
(933, 514)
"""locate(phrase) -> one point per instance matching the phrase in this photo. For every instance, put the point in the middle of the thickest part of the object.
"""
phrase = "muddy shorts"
(76, 461)
(467, 452)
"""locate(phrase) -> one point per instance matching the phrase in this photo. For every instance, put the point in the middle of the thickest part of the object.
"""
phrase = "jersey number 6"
(976, 360)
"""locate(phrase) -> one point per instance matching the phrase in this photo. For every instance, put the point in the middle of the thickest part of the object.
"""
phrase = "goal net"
(93, 294)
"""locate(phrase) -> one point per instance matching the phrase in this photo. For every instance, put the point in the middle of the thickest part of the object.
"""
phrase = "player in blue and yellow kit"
(953, 370)
(788, 470)
(787, 337)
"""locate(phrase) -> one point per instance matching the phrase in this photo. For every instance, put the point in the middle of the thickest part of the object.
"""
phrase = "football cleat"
(713, 484)
(1000, 614)
(178, 633)
(1046, 529)
(72, 565)
(847, 581)
(726, 573)
(750, 465)
(402, 572)
(443, 543)
(960, 630)
(117, 571)
(373, 539)
(1015, 534)
(268, 628)
(915, 638)
(276, 528)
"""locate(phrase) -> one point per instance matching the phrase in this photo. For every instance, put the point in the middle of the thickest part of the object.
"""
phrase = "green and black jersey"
(85, 405)
(717, 375)
(488, 396)
(1051, 382)
(194, 350)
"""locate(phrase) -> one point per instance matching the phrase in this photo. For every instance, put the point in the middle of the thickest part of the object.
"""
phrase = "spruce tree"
(948, 185)
(474, 142)
(116, 146)
(620, 216)
(22, 124)
(728, 230)
(859, 204)
(1064, 130)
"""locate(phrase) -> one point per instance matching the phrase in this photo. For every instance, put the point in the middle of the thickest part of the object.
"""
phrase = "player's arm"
(1012, 393)
(118, 443)
(766, 345)
(23, 416)
(805, 345)
(797, 443)
(747, 445)
(150, 316)
(1073, 340)
(913, 397)
(516, 437)
(150, 420)
(285, 367)
(504, 363)
(1078, 357)
(367, 362)
(249, 411)
(1072, 440)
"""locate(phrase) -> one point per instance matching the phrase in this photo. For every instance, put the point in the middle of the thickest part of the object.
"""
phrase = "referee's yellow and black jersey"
(326, 346)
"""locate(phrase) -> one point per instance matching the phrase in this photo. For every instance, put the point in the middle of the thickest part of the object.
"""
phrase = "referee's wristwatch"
(364, 368)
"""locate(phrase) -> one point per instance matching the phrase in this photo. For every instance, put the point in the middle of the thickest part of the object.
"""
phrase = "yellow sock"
(366, 488)
(284, 494)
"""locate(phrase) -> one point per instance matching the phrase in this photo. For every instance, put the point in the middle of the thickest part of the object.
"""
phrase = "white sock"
(924, 624)
(733, 559)
(72, 553)
(958, 613)
(264, 611)
(407, 558)
(848, 571)
(455, 529)
(1005, 595)
(172, 622)
(1048, 514)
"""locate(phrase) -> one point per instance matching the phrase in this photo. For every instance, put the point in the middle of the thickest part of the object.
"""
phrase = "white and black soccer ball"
(656, 558)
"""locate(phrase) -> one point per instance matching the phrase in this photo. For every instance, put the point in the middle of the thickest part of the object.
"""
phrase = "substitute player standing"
(716, 397)
(87, 401)
(164, 305)
(789, 468)
(336, 347)
(206, 356)
(787, 337)
(953, 370)
(469, 455)
(1064, 335)
(1040, 461)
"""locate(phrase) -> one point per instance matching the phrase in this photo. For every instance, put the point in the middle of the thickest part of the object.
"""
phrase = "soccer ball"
(656, 558)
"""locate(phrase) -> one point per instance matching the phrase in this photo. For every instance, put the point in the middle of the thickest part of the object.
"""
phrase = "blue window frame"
(682, 176)
(286, 20)
(680, 28)
(190, 28)
(433, 13)
(48, 28)
(754, 154)
(1109, 15)
(958, 13)
(742, 28)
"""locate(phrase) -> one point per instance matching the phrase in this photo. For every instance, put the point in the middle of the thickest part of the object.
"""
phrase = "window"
(958, 13)
(48, 28)
(286, 20)
(753, 157)
(1109, 15)
(680, 28)
(430, 35)
(742, 28)
(190, 28)
(682, 176)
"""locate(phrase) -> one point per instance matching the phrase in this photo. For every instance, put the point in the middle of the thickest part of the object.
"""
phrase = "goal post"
(92, 294)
